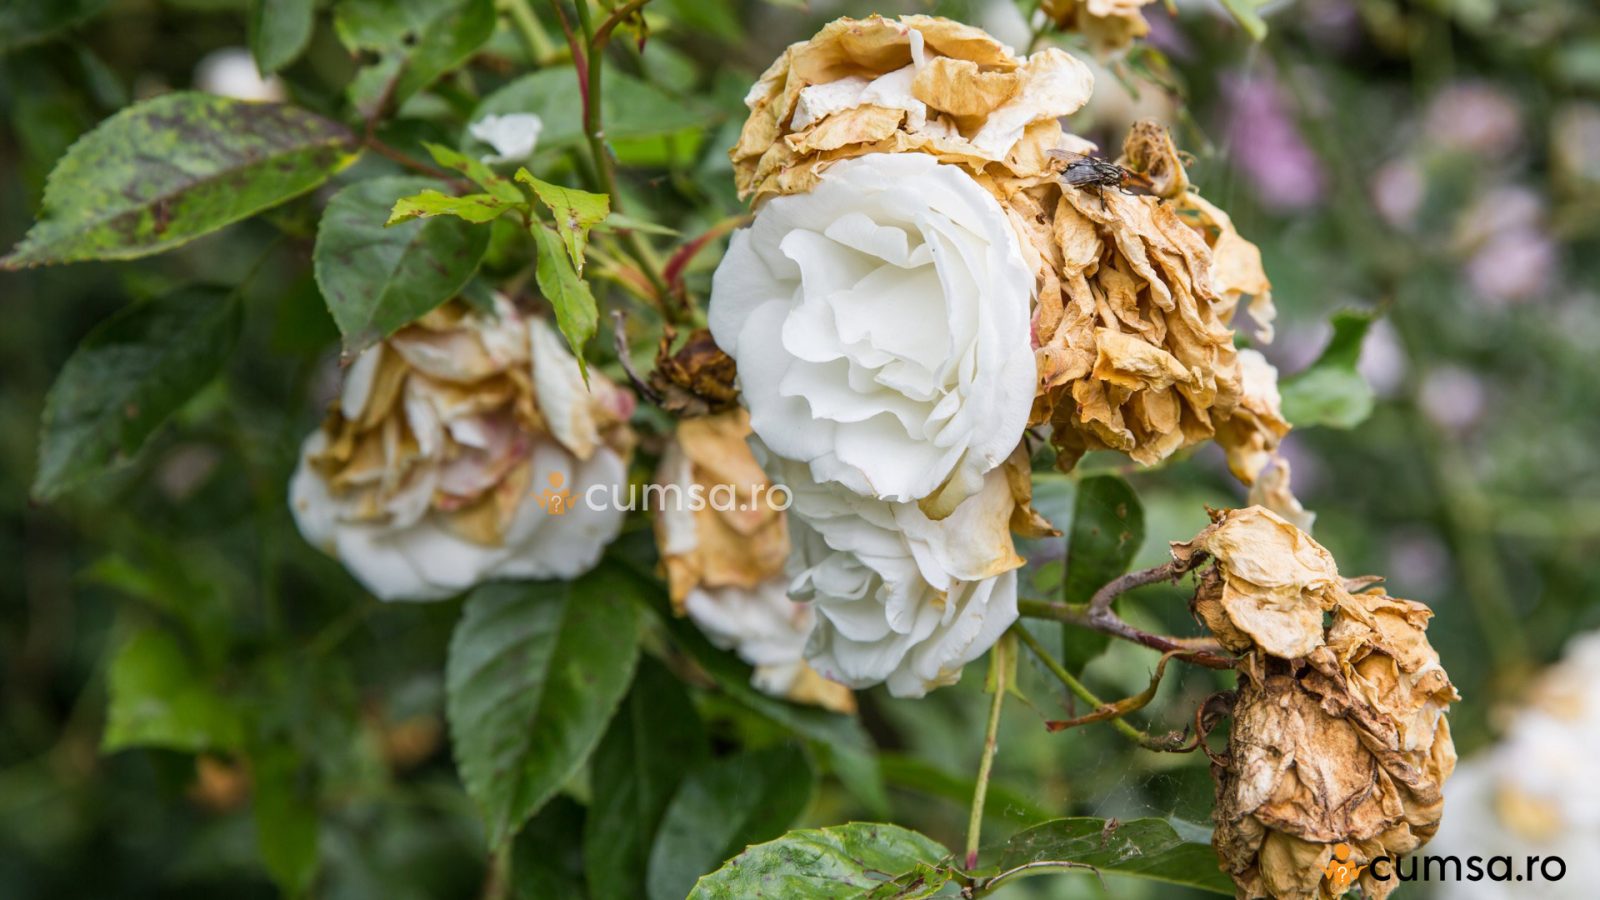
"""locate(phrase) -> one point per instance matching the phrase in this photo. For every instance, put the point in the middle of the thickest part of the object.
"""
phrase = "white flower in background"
(513, 136)
(1534, 793)
(232, 72)
(724, 557)
(459, 451)
(880, 325)
(900, 598)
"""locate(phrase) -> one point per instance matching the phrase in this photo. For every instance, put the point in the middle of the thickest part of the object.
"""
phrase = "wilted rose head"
(455, 452)
(1339, 737)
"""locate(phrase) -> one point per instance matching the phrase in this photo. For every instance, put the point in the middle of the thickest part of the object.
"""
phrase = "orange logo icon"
(555, 500)
(1340, 872)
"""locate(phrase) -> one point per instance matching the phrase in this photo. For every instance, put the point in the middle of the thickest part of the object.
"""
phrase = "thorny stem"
(590, 67)
(999, 665)
(1097, 615)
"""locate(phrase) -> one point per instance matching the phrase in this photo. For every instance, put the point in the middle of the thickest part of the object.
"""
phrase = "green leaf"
(1107, 530)
(127, 377)
(722, 807)
(1331, 391)
(474, 208)
(159, 698)
(24, 22)
(1244, 12)
(619, 222)
(575, 212)
(576, 313)
(909, 772)
(376, 279)
(547, 856)
(655, 738)
(535, 671)
(479, 172)
(1142, 848)
(417, 41)
(279, 31)
(285, 817)
(823, 863)
(168, 170)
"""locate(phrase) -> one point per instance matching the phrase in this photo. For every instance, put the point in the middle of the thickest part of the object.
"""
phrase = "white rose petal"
(513, 136)
(232, 72)
(880, 327)
(900, 599)
(762, 625)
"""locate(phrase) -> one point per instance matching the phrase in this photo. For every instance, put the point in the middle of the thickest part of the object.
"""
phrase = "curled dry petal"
(1269, 587)
(723, 545)
(458, 451)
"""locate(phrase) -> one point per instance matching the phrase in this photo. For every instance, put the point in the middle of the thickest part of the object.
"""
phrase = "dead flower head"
(724, 557)
(912, 84)
(1339, 744)
(1134, 347)
(457, 452)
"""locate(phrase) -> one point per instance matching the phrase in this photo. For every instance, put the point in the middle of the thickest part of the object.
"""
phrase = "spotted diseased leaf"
(1331, 391)
(474, 208)
(478, 172)
(159, 697)
(375, 279)
(722, 807)
(575, 212)
(168, 170)
(130, 374)
(576, 313)
(861, 859)
(279, 31)
(535, 671)
(1107, 530)
(1142, 848)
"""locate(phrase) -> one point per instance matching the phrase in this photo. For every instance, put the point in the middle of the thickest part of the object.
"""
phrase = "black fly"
(1086, 172)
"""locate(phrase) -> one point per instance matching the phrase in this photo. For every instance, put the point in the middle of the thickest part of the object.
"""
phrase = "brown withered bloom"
(1109, 25)
(1339, 744)
(912, 84)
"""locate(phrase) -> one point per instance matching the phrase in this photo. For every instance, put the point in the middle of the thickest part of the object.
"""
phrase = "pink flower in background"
(1453, 398)
(1383, 359)
(1266, 145)
(1514, 266)
(1398, 189)
(1475, 117)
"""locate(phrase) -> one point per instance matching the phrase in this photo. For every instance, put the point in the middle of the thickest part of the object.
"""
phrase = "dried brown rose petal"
(1109, 25)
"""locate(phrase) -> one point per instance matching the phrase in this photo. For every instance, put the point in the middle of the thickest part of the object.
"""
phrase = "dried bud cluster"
(725, 557)
(457, 452)
(1339, 734)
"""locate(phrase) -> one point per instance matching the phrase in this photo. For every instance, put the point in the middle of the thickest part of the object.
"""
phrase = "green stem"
(1077, 687)
(997, 675)
(539, 44)
(497, 880)
(594, 131)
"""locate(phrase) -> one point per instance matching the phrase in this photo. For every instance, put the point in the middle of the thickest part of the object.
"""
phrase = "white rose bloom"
(461, 450)
(900, 598)
(512, 136)
(1534, 793)
(880, 324)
